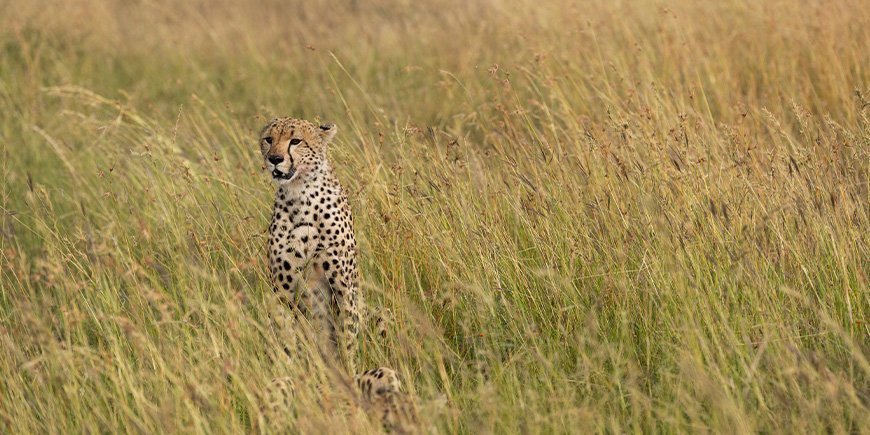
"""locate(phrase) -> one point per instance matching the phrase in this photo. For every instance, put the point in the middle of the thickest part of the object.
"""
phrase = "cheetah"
(313, 254)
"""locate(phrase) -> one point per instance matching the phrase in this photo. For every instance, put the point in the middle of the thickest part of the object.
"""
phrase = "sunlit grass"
(621, 217)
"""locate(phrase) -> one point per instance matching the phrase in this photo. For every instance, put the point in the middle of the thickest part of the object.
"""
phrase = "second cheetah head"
(293, 147)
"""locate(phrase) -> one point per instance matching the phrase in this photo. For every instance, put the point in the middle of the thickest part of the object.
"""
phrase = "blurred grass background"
(617, 217)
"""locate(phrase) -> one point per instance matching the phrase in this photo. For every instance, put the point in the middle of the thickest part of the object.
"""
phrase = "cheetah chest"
(311, 244)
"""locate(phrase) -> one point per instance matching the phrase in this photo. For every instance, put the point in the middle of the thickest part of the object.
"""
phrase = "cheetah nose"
(275, 159)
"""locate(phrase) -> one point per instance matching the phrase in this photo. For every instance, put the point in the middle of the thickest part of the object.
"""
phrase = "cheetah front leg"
(286, 274)
(290, 252)
(344, 295)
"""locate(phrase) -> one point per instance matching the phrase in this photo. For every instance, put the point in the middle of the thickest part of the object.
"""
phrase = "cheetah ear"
(327, 131)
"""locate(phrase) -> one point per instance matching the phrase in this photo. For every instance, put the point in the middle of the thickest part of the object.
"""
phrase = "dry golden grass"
(585, 217)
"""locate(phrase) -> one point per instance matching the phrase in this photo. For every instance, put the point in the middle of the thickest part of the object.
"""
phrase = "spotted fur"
(313, 255)
(312, 249)
(382, 394)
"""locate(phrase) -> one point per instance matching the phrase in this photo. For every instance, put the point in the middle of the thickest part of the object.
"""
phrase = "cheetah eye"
(268, 140)
(295, 141)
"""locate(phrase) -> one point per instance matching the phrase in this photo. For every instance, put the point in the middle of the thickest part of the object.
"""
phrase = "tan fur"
(312, 256)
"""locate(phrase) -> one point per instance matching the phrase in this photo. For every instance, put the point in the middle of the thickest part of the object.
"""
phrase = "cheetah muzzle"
(277, 174)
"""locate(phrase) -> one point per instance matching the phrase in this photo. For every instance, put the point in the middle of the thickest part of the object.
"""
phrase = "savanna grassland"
(621, 217)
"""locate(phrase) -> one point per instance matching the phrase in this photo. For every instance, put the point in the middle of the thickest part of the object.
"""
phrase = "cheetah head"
(294, 147)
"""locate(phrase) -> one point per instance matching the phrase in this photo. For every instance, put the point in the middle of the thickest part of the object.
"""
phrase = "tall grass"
(584, 217)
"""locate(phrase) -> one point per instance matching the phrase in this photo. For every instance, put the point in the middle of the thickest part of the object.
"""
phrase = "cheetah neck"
(297, 189)
(296, 202)
(313, 203)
